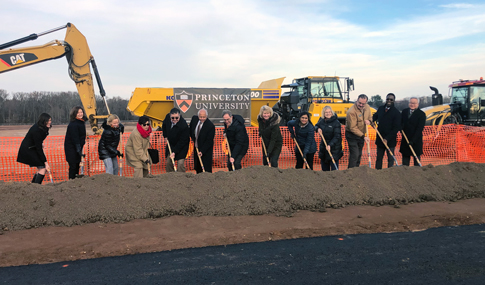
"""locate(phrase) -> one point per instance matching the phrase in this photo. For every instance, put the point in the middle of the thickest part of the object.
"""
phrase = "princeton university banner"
(214, 100)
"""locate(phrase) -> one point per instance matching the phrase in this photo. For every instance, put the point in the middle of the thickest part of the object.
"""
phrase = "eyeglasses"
(174, 118)
(147, 124)
(391, 100)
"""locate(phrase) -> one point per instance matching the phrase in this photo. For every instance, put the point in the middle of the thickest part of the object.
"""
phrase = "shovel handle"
(368, 146)
(229, 151)
(170, 150)
(301, 153)
(265, 152)
(415, 156)
(329, 152)
(385, 144)
(200, 159)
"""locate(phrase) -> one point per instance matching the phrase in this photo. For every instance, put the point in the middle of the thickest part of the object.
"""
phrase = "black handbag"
(154, 155)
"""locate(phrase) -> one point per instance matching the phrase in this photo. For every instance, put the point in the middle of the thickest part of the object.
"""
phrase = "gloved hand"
(118, 153)
(147, 161)
(259, 133)
(411, 143)
(122, 129)
(292, 135)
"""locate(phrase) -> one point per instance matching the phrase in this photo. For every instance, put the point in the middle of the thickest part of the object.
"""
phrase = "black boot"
(39, 178)
(33, 178)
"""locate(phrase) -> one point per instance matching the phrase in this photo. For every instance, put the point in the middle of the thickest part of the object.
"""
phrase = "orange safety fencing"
(450, 143)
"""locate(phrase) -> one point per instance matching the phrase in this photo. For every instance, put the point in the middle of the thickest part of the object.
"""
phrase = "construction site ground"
(107, 215)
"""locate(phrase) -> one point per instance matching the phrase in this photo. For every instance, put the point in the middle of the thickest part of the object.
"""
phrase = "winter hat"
(143, 119)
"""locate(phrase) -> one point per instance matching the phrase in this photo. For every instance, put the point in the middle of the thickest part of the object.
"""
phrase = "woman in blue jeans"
(108, 144)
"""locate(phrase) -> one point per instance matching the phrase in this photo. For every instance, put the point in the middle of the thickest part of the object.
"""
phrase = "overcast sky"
(386, 46)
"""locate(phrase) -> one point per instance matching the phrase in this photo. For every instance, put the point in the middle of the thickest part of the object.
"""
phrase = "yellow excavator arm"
(76, 50)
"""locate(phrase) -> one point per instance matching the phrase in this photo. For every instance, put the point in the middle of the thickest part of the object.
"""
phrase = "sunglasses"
(174, 118)
(391, 100)
(147, 124)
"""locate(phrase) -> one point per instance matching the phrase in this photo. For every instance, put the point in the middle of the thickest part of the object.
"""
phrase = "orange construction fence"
(442, 145)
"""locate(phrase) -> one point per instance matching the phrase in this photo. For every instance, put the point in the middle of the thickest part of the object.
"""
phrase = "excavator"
(467, 104)
(76, 50)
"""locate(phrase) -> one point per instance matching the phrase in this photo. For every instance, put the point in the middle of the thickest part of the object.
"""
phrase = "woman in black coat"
(108, 144)
(75, 140)
(330, 128)
(304, 132)
(269, 130)
(31, 149)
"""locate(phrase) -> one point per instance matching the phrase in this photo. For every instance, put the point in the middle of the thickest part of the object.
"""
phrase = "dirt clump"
(256, 190)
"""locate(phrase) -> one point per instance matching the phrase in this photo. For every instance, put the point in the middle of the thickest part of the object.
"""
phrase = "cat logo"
(184, 100)
(13, 59)
(17, 59)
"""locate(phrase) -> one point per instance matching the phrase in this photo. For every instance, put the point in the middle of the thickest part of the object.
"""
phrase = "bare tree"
(25, 108)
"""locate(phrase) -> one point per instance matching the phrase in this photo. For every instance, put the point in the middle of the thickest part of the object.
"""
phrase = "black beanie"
(143, 119)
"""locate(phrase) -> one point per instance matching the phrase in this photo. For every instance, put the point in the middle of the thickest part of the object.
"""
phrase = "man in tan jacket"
(358, 116)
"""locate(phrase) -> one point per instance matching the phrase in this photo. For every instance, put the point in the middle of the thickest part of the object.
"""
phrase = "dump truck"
(467, 104)
(156, 102)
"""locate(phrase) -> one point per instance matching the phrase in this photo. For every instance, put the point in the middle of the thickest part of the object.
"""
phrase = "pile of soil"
(256, 190)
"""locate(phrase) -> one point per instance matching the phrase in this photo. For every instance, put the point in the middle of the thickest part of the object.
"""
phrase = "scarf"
(144, 134)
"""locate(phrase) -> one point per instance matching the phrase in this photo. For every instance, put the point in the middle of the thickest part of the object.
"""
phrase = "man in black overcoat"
(413, 121)
(237, 137)
(389, 123)
(202, 132)
(177, 133)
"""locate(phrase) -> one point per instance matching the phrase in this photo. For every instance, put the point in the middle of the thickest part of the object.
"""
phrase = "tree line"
(25, 108)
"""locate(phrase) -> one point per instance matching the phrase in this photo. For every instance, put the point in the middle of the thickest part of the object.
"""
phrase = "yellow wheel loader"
(312, 94)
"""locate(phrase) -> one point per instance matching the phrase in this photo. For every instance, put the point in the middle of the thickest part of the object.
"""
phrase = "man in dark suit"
(413, 121)
(389, 120)
(202, 132)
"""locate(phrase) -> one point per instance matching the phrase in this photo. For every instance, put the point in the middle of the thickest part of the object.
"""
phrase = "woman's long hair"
(43, 120)
(73, 113)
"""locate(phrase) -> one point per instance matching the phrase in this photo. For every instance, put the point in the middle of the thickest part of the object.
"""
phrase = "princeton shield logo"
(184, 100)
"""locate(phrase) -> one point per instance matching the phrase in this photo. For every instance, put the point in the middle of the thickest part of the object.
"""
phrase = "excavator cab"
(311, 94)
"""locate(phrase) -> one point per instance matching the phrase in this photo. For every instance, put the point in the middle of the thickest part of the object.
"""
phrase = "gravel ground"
(255, 190)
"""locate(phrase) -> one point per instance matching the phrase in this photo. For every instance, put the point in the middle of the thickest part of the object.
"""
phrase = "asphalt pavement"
(448, 255)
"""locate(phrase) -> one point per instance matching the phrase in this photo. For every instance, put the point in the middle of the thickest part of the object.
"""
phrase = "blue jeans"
(111, 165)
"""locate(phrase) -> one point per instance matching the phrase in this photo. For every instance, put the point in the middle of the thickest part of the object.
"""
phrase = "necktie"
(410, 113)
(387, 109)
(197, 134)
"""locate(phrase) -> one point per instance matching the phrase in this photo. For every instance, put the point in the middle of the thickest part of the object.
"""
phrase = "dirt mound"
(252, 191)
